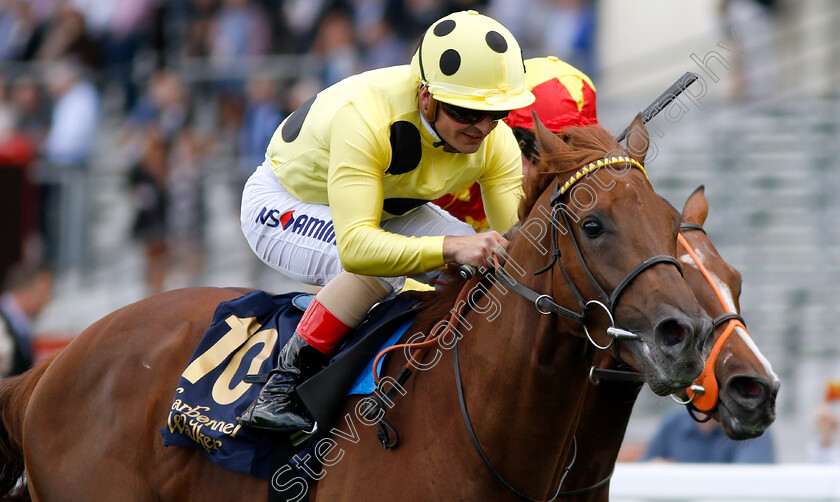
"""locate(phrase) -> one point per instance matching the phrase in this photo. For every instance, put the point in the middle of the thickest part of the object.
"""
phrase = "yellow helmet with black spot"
(472, 61)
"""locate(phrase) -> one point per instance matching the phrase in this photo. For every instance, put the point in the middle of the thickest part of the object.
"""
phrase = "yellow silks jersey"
(361, 147)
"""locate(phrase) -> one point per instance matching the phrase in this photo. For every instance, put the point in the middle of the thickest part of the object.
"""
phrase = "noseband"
(545, 304)
(703, 394)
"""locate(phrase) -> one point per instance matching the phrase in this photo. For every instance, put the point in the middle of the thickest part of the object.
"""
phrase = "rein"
(498, 477)
(545, 304)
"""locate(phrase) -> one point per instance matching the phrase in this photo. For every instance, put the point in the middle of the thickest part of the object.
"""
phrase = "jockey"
(565, 97)
(341, 199)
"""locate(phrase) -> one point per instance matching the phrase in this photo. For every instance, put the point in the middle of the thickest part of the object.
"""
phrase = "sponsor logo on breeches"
(302, 224)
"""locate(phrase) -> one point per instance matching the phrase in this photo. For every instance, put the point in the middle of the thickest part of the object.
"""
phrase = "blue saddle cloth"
(245, 337)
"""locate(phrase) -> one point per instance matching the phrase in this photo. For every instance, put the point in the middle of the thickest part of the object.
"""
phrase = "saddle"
(240, 348)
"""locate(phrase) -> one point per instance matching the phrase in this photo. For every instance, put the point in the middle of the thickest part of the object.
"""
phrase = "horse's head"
(740, 385)
(616, 241)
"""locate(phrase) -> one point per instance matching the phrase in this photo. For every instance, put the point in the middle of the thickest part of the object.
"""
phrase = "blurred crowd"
(184, 83)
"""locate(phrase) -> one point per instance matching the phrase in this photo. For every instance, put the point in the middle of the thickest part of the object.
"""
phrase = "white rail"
(725, 482)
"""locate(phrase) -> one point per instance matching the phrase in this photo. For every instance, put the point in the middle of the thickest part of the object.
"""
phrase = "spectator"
(186, 208)
(66, 35)
(165, 106)
(335, 44)
(262, 116)
(17, 193)
(128, 28)
(18, 31)
(148, 180)
(28, 290)
(568, 31)
(229, 114)
(824, 448)
(751, 23)
(32, 109)
(196, 27)
(381, 44)
(300, 20)
(67, 151)
(75, 115)
(239, 30)
(682, 439)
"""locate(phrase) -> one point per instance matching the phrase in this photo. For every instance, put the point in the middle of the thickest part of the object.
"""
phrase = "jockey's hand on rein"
(474, 249)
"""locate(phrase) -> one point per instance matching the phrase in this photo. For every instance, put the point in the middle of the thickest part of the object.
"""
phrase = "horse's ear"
(638, 140)
(550, 144)
(696, 207)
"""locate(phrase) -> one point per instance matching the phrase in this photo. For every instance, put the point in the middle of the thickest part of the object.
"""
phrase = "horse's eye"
(592, 228)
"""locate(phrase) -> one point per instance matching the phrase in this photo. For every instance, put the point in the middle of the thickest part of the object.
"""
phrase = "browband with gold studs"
(593, 166)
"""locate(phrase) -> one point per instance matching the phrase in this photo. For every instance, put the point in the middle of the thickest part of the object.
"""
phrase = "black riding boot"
(278, 406)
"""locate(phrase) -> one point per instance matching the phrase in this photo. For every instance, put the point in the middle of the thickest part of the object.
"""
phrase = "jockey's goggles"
(468, 116)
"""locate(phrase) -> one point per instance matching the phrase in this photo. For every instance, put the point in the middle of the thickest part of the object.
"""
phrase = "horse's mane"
(585, 144)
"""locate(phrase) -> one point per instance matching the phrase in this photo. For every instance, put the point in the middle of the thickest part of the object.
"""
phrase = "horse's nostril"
(672, 332)
(748, 388)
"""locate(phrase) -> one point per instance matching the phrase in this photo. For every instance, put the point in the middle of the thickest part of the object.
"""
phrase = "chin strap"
(429, 115)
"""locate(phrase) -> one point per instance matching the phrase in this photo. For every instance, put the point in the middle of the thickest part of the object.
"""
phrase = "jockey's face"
(459, 137)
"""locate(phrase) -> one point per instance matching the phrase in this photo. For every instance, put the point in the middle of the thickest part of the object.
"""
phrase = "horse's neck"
(524, 381)
(603, 423)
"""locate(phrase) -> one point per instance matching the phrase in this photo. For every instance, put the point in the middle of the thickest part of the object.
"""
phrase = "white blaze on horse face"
(749, 341)
(688, 260)
(722, 286)
(730, 307)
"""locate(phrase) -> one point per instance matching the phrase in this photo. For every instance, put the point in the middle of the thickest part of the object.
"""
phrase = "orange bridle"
(707, 399)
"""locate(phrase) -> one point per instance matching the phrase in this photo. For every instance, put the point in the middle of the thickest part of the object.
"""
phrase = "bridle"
(703, 394)
(546, 305)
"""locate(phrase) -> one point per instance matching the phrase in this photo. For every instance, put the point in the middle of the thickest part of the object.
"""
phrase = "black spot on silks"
(496, 41)
(450, 61)
(406, 149)
(398, 207)
(293, 125)
(444, 28)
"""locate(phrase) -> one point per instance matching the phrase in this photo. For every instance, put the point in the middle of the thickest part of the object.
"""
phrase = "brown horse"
(745, 403)
(86, 423)
(523, 376)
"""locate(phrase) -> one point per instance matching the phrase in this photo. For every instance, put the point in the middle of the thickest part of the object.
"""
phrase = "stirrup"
(301, 436)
